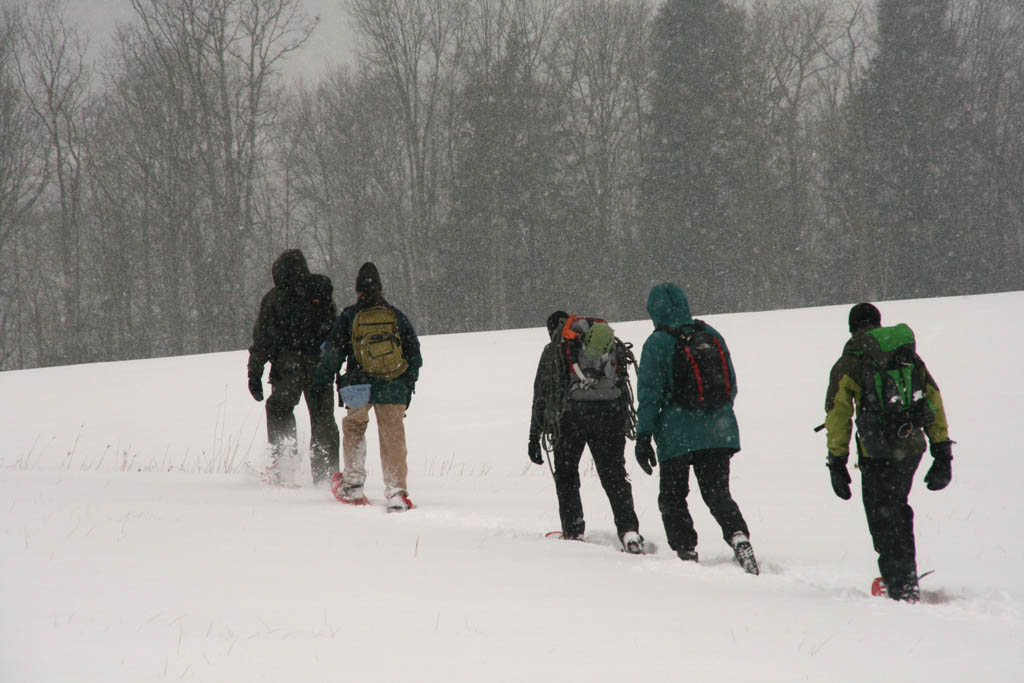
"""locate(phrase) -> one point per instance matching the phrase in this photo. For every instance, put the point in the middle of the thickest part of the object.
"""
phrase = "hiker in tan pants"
(382, 360)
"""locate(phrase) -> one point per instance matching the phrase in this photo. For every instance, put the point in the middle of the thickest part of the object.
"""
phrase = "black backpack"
(700, 368)
(305, 314)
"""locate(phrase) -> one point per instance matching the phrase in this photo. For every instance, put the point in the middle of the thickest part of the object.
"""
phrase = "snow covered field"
(137, 545)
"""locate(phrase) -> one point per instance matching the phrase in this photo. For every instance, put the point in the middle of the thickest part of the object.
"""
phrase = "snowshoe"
(399, 502)
(909, 591)
(350, 494)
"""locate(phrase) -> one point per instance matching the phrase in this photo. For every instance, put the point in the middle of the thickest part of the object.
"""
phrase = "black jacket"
(295, 316)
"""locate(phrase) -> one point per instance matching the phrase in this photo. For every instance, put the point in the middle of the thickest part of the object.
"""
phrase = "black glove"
(256, 387)
(645, 453)
(941, 471)
(533, 450)
(840, 476)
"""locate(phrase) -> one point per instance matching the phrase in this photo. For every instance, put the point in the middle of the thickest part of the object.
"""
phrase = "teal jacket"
(677, 430)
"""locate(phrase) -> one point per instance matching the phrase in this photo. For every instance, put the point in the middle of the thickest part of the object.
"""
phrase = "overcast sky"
(331, 43)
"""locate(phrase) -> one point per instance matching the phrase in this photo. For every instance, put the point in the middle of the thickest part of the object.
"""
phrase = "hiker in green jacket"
(889, 448)
(686, 436)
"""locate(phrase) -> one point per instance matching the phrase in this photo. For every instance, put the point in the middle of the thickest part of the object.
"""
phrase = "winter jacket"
(844, 397)
(338, 349)
(677, 430)
(295, 316)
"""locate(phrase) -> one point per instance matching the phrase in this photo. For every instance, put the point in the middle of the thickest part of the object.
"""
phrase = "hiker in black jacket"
(295, 317)
(578, 401)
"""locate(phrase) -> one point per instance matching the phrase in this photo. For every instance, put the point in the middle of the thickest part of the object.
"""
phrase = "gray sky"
(331, 44)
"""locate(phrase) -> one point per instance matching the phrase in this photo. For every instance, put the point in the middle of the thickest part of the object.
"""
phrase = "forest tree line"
(499, 159)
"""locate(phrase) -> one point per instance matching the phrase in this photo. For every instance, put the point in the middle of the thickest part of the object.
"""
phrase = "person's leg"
(393, 452)
(353, 428)
(323, 428)
(675, 515)
(607, 445)
(286, 389)
(885, 487)
(567, 454)
(711, 469)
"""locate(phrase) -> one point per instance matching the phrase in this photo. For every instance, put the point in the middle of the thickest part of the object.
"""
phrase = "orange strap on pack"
(567, 331)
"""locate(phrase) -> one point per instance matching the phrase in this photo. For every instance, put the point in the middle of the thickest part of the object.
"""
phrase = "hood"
(667, 305)
(290, 269)
(555, 322)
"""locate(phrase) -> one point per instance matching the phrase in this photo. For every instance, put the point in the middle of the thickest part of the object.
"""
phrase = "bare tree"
(201, 71)
(54, 77)
(604, 61)
(417, 45)
(23, 177)
(604, 55)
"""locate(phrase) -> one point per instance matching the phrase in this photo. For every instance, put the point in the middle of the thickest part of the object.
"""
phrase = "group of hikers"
(683, 418)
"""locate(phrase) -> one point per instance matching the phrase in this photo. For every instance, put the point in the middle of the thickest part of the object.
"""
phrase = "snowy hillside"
(136, 544)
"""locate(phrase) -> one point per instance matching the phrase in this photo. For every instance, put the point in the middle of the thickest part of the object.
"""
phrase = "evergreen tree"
(900, 171)
(701, 148)
(506, 193)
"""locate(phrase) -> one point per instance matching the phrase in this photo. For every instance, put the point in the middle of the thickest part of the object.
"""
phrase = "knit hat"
(598, 340)
(863, 316)
(556, 320)
(368, 279)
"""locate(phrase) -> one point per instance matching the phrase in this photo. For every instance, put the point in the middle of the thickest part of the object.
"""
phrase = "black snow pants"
(599, 426)
(291, 377)
(712, 470)
(885, 489)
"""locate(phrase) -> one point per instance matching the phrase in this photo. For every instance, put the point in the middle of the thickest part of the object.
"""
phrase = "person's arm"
(843, 391)
(410, 349)
(652, 382)
(539, 402)
(333, 352)
(938, 429)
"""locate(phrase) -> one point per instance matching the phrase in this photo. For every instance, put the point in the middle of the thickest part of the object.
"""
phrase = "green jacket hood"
(667, 306)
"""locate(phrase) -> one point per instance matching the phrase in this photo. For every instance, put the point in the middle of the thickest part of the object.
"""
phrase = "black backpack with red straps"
(700, 368)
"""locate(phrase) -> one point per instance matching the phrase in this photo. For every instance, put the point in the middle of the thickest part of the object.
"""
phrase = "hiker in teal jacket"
(685, 437)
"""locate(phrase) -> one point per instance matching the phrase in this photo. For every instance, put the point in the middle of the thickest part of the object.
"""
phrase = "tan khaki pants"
(391, 433)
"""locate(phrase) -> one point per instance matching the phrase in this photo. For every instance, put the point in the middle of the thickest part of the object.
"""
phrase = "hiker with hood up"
(382, 359)
(295, 317)
(688, 437)
(888, 452)
(582, 398)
